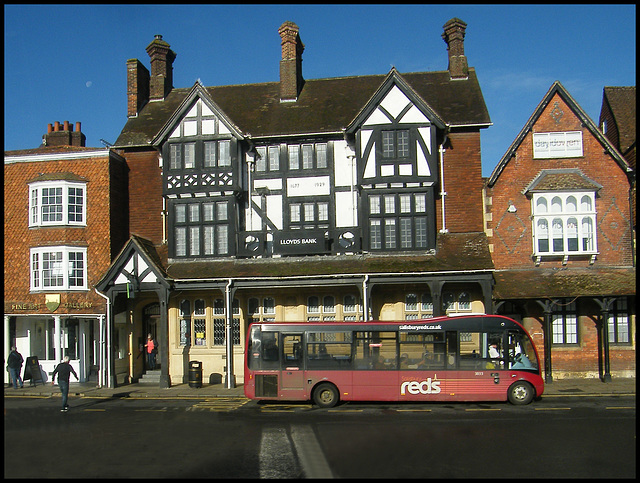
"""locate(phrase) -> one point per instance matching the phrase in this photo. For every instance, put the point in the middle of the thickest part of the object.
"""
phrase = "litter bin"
(195, 374)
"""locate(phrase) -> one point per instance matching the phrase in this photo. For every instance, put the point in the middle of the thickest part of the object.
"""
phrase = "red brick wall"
(97, 236)
(581, 360)
(145, 195)
(462, 183)
(512, 232)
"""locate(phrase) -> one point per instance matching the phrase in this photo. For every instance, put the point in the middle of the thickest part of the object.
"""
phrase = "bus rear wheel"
(521, 393)
(326, 395)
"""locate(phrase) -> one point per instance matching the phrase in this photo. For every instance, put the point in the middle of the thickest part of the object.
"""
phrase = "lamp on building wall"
(512, 208)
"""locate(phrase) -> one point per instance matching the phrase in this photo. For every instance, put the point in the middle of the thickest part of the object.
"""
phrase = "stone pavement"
(558, 388)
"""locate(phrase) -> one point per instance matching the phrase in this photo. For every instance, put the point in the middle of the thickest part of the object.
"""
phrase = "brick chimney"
(64, 135)
(291, 80)
(162, 58)
(137, 86)
(454, 37)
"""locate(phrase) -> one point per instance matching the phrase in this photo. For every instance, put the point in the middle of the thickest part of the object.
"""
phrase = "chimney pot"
(56, 126)
(291, 80)
(454, 32)
(77, 127)
(162, 57)
(66, 125)
(49, 128)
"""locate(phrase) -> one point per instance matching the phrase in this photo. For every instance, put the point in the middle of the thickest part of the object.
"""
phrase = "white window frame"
(37, 268)
(35, 204)
(576, 221)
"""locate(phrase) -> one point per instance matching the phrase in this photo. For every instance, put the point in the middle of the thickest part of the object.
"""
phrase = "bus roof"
(468, 322)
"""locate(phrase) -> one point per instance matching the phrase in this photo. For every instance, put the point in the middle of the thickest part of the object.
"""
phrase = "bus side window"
(270, 350)
(452, 349)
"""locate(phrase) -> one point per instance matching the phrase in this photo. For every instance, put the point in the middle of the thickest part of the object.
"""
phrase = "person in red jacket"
(152, 350)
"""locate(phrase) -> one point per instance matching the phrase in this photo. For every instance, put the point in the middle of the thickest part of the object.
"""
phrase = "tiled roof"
(567, 282)
(562, 179)
(622, 101)
(455, 252)
(324, 105)
(50, 150)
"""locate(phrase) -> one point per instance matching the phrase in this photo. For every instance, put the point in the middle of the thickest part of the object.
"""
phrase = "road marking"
(277, 458)
(620, 407)
(283, 408)
(314, 464)
(414, 410)
(219, 404)
(552, 409)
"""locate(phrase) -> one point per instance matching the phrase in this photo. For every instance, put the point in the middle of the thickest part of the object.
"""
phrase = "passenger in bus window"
(493, 351)
(379, 363)
(404, 361)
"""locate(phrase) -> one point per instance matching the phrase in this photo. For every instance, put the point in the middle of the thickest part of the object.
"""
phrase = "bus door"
(375, 375)
(292, 375)
(481, 373)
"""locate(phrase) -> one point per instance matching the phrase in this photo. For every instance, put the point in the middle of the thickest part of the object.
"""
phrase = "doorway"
(150, 325)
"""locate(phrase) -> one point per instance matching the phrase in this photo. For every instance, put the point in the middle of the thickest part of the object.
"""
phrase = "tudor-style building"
(305, 199)
(65, 219)
(560, 229)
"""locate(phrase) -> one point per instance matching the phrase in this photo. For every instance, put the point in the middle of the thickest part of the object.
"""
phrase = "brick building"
(618, 123)
(560, 228)
(302, 199)
(59, 239)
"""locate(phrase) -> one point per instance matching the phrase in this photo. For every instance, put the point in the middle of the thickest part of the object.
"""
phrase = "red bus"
(462, 358)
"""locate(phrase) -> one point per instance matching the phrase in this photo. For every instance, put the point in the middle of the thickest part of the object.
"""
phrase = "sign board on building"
(311, 186)
(299, 242)
(557, 144)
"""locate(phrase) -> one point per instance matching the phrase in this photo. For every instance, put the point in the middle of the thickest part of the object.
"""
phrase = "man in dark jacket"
(64, 371)
(14, 363)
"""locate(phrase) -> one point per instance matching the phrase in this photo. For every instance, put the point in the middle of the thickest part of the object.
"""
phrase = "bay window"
(563, 223)
(57, 203)
(58, 268)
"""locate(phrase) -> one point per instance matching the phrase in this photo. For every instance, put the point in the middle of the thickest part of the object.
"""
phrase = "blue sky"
(68, 62)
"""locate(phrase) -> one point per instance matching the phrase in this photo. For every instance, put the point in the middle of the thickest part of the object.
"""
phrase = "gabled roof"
(622, 101)
(123, 268)
(557, 88)
(197, 91)
(324, 106)
(394, 79)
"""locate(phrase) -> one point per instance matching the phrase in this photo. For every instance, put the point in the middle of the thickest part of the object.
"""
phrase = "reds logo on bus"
(420, 387)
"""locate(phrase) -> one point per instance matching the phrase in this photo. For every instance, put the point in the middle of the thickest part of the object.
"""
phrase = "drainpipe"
(443, 193)
(104, 352)
(365, 298)
(230, 379)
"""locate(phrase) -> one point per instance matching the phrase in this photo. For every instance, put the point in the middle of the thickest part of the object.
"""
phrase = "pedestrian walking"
(152, 350)
(64, 371)
(14, 363)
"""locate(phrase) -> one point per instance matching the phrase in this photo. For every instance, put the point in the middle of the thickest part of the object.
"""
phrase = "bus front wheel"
(521, 393)
(326, 395)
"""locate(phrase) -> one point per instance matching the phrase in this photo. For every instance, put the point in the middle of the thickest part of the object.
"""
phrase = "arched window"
(557, 234)
(572, 234)
(542, 234)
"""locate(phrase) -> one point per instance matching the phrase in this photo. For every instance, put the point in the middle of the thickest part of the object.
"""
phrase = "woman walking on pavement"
(64, 371)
